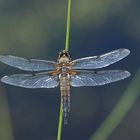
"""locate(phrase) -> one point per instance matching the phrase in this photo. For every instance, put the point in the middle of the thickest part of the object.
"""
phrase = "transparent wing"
(90, 78)
(101, 61)
(28, 65)
(41, 80)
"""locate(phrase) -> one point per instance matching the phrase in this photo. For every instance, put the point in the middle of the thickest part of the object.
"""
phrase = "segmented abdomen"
(65, 96)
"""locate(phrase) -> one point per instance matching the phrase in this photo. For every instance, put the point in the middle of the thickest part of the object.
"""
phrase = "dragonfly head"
(64, 56)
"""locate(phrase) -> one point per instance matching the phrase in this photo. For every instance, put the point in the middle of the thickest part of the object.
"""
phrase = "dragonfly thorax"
(64, 59)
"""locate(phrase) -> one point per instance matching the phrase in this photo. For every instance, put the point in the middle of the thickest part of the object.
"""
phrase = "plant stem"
(60, 123)
(68, 26)
(66, 48)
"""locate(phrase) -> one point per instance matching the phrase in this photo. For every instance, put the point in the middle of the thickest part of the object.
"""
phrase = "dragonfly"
(66, 73)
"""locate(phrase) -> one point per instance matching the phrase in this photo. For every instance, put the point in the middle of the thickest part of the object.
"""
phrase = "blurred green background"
(36, 29)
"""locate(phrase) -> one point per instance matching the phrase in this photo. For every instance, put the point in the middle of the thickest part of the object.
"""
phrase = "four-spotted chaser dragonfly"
(65, 72)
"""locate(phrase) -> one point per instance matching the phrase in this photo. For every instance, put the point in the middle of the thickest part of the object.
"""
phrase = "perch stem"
(66, 48)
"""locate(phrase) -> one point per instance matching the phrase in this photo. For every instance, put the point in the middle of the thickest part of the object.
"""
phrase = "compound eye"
(69, 55)
(60, 54)
(66, 54)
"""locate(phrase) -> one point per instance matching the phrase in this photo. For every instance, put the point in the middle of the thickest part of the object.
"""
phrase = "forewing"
(28, 65)
(101, 61)
(90, 78)
(41, 80)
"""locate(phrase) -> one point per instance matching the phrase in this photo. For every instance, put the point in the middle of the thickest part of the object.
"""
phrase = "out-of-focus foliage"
(36, 29)
(119, 112)
(27, 25)
(6, 131)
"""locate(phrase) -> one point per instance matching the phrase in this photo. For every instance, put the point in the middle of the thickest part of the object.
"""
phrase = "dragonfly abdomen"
(65, 96)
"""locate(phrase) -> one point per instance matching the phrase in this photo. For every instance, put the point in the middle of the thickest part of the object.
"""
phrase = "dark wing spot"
(33, 74)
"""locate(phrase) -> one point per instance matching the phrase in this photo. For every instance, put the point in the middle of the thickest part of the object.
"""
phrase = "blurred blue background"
(36, 29)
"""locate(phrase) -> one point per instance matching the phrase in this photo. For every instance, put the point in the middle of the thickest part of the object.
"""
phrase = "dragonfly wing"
(91, 78)
(41, 80)
(101, 61)
(28, 65)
